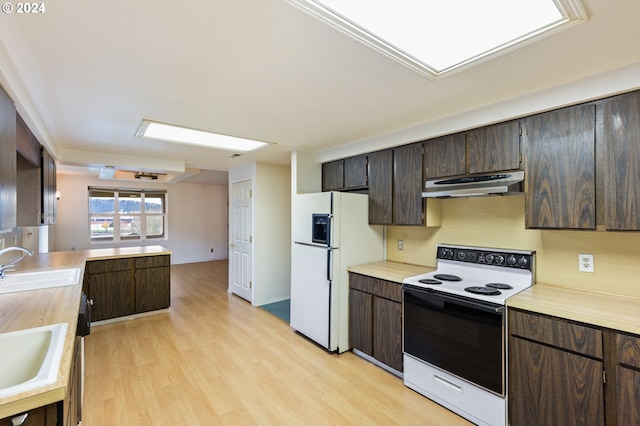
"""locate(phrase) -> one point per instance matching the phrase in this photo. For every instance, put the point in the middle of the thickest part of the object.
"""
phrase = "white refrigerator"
(330, 232)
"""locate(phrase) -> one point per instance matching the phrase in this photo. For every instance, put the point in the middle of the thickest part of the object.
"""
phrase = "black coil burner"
(447, 277)
(499, 286)
(430, 281)
(486, 291)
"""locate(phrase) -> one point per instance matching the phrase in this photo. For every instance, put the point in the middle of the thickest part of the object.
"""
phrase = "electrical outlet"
(400, 244)
(211, 250)
(585, 262)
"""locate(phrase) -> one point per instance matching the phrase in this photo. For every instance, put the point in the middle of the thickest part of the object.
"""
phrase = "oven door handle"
(422, 293)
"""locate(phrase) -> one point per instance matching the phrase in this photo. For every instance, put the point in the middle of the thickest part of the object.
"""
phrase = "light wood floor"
(215, 359)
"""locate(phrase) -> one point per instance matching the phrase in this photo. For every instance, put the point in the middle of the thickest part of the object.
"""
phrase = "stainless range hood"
(506, 183)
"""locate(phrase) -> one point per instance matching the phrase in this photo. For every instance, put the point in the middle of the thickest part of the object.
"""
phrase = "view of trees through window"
(126, 214)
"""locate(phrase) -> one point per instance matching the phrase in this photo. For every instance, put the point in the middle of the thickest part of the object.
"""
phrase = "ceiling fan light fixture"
(179, 134)
(146, 176)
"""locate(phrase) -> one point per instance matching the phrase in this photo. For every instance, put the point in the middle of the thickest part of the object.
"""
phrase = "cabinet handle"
(19, 420)
(90, 302)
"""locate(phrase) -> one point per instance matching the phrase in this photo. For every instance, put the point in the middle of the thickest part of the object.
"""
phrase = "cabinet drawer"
(388, 290)
(361, 282)
(152, 261)
(556, 332)
(628, 350)
(110, 265)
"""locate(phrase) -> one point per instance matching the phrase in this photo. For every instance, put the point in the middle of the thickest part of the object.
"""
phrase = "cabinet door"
(548, 386)
(381, 187)
(560, 169)
(355, 172)
(627, 352)
(444, 156)
(621, 127)
(494, 148)
(153, 289)
(112, 294)
(387, 332)
(49, 187)
(627, 396)
(28, 193)
(407, 185)
(333, 175)
(360, 321)
(26, 143)
(8, 194)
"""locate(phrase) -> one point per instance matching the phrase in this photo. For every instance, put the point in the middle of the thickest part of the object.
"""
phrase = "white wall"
(196, 213)
(273, 234)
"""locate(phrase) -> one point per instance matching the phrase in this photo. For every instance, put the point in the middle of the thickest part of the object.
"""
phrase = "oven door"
(460, 335)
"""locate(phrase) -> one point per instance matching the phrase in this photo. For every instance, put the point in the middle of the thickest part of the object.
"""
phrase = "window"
(127, 214)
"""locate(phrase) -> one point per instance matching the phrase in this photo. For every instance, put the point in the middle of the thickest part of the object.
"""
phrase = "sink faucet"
(14, 261)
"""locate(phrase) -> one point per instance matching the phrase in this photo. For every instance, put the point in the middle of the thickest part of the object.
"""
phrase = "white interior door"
(240, 247)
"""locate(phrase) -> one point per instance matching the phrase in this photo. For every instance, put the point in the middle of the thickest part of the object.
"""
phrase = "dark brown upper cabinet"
(346, 174)
(333, 175)
(620, 117)
(27, 144)
(407, 185)
(381, 187)
(49, 189)
(28, 172)
(8, 193)
(560, 169)
(395, 186)
(444, 156)
(494, 148)
(355, 172)
(488, 149)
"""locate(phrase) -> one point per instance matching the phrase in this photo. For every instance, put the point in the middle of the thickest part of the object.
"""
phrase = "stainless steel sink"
(30, 358)
(39, 280)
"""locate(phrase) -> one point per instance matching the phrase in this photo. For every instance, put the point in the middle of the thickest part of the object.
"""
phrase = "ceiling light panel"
(171, 133)
(438, 36)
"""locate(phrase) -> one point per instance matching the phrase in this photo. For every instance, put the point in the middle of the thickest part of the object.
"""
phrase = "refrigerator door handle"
(310, 244)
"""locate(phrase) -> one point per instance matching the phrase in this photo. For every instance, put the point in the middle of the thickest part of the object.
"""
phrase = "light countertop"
(600, 309)
(36, 308)
(390, 271)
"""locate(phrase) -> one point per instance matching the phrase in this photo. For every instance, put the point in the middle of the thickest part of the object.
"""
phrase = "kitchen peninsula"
(36, 308)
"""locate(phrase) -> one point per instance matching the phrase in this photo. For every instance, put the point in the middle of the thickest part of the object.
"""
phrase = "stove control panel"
(517, 259)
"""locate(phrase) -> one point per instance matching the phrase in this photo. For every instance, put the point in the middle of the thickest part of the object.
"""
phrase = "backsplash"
(499, 222)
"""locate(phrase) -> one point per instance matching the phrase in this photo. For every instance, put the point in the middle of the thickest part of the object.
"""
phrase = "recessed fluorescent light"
(169, 132)
(435, 37)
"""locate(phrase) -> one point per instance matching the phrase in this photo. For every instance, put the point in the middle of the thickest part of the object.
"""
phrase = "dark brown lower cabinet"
(361, 321)
(126, 286)
(627, 376)
(152, 283)
(41, 416)
(564, 372)
(553, 386)
(111, 295)
(387, 332)
(375, 319)
(73, 402)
